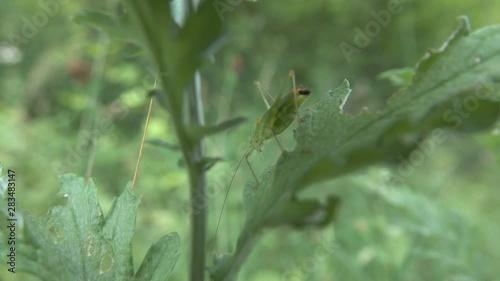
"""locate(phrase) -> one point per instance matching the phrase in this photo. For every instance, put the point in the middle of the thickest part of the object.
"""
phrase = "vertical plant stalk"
(194, 154)
(186, 111)
(198, 187)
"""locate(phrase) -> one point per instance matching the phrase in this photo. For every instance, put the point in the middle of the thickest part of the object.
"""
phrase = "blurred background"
(438, 223)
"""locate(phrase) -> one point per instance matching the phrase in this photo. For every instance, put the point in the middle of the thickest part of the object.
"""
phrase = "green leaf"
(398, 77)
(75, 241)
(200, 132)
(178, 51)
(164, 144)
(160, 259)
(160, 96)
(158, 32)
(330, 143)
(433, 55)
(192, 45)
(208, 162)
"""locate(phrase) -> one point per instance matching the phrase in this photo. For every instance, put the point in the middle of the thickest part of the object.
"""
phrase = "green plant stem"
(198, 189)
(193, 157)
(193, 153)
(244, 247)
(185, 111)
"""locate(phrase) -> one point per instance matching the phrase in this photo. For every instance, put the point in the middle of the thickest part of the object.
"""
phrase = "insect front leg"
(251, 169)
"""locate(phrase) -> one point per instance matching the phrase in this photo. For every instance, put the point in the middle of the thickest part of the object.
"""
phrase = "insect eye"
(304, 92)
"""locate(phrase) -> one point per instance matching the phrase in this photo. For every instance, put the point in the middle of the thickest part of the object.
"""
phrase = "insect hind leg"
(262, 91)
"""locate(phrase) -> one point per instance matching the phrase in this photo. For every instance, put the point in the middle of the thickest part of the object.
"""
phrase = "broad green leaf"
(76, 241)
(464, 73)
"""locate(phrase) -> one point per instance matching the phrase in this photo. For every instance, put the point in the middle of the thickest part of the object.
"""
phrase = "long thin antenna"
(225, 199)
(143, 138)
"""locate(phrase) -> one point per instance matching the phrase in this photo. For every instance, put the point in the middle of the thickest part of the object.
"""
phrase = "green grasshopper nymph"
(273, 122)
(277, 117)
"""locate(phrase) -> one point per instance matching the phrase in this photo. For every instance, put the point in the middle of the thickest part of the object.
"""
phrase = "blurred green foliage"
(440, 224)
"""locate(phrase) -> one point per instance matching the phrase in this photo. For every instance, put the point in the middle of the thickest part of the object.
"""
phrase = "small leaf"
(160, 259)
(209, 162)
(164, 144)
(200, 132)
(398, 77)
(160, 96)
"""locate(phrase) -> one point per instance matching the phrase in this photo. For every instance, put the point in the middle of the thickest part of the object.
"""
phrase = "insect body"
(277, 117)
(273, 122)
